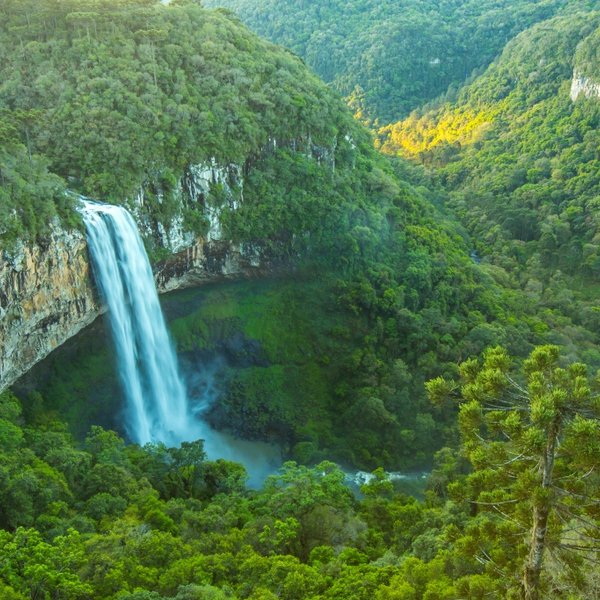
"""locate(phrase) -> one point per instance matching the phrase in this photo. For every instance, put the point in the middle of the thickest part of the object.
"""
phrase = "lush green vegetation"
(519, 161)
(110, 520)
(108, 98)
(586, 56)
(391, 56)
(132, 93)
(30, 196)
(118, 97)
(335, 373)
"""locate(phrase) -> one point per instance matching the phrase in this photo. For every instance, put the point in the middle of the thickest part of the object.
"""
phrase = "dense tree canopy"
(388, 56)
(119, 97)
(116, 99)
(110, 520)
(518, 160)
(533, 447)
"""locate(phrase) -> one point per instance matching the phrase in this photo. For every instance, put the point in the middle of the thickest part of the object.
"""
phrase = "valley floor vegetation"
(511, 514)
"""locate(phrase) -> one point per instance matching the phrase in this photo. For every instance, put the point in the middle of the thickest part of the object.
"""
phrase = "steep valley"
(347, 302)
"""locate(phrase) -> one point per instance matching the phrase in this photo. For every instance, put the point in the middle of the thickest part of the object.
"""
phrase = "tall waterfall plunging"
(157, 406)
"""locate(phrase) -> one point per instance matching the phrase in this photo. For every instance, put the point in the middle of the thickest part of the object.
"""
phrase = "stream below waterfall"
(80, 382)
(158, 405)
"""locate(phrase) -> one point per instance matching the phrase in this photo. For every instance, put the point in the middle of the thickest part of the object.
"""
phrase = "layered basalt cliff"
(583, 86)
(47, 293)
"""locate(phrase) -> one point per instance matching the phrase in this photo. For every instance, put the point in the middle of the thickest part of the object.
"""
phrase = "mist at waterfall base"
(158, 408)
(259, 458)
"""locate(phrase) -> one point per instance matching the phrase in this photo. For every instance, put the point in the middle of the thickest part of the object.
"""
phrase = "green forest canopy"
(116, 521)
(519, 160)
(128, 95)
(401, 303)
(391, 56)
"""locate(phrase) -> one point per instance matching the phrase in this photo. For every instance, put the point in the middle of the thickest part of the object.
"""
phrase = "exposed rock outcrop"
(582, 85)
(47, 293)
(207, 261)
(46, 296)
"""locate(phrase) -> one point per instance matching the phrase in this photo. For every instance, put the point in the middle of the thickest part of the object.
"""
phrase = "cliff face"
(47, 293)
(46, 296)
(584, 86)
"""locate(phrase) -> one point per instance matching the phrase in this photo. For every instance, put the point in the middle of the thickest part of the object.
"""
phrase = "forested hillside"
(109, 520)
(126, 97)
(518, 157)
(30, 196)
(391, 56)
(433, 309)
(114, 98)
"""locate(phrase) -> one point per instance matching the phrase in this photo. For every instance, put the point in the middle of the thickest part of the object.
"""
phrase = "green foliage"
(336, 371)
(529, 443)
(516, 159)
(528, 181)
(125, 96)
(33, 566)
(130, 94)
(391, 57)
(586, 57)
(115, 96)
(30, 197)
(120, 521)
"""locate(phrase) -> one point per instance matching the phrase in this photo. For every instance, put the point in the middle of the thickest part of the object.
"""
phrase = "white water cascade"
(157, 406)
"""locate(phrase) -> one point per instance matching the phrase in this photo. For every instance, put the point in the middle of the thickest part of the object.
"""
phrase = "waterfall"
(157, 405)
(158, 409)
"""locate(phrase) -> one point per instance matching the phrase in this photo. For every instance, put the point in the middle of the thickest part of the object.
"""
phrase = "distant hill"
(519, 145)
(517, 152)
(391, 56)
